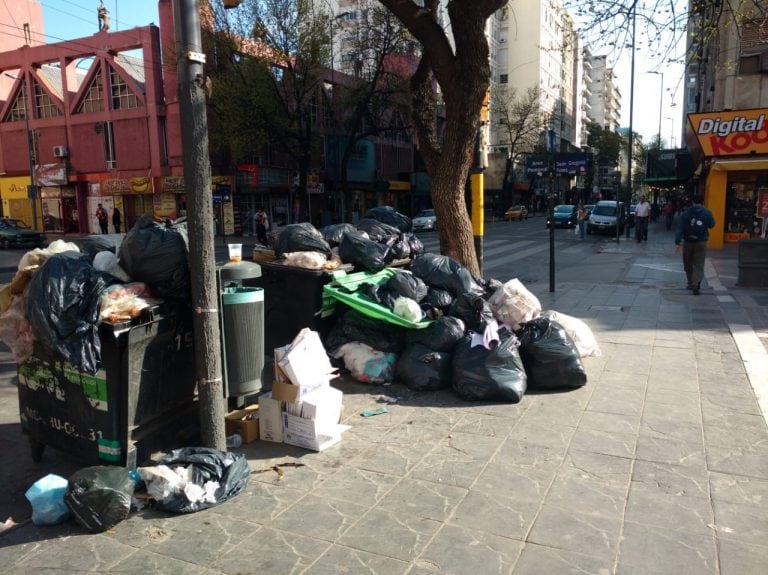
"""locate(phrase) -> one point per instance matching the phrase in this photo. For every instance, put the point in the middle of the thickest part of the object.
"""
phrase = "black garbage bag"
(401, 249)
(93, 244)
(446, 273)
(423, 369)
(408, 285)
(229, 470)
(388, 215)
(417, 248)
(438, 298)
(489, 374)
(473, 310)
(364, 253)
(550, 356)
(354, 326)
(490, 286)
(157, 254)
(334, 232)
(303, 237)
(99, 497)
(440, 335)
(379, 231)
(382, 295)
(63, 308)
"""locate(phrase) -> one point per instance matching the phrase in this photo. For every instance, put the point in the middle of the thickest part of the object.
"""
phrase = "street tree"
(372, 99)
(275, 79)
(521, 124)
(446, 119)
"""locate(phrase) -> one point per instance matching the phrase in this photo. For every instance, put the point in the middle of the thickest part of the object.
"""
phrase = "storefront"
(733, 171)
(15, 196)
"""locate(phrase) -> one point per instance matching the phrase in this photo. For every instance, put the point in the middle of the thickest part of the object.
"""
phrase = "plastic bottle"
(234, 440)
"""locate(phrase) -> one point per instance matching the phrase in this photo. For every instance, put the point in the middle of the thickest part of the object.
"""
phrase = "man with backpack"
(693, 230)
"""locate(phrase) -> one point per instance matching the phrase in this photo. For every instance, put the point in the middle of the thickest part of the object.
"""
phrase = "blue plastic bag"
(47, 499)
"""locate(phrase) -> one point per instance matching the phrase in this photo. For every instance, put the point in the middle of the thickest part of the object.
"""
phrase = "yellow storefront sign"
(14, 188)
(739, 132)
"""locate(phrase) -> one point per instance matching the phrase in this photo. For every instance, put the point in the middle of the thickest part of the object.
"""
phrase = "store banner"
(14, 188)
(127, 186)
(51, 175)
(733, 133)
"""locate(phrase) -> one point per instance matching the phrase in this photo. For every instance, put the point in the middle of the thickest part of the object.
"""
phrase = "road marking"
(711, 274)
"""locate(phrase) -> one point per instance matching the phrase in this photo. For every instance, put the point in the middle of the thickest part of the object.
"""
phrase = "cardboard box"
(292, 393)
(322, 406)
(310, 433)
(305, 361)
(244, 422)
(270, 418)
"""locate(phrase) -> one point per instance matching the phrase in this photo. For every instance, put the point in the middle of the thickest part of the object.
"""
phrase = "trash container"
(141, 400)
(293, 299)
(242, 329)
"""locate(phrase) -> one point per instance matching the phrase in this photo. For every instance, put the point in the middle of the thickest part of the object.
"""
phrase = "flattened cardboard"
(270, 418)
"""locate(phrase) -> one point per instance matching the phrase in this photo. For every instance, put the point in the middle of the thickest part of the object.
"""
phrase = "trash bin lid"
(232, 271)
(239, 295)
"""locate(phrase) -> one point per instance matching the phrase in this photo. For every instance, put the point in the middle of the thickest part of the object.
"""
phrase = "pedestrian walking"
(669, 214)
(260, 219)
(642, 217)
(581, 217)
(693, 231)
(101, 215)
(116, 220)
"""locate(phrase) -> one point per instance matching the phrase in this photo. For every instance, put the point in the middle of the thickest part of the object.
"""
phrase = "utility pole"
(202, 262)
(476, 181)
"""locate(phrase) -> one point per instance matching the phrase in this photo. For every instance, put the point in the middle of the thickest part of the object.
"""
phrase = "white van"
(603, 217)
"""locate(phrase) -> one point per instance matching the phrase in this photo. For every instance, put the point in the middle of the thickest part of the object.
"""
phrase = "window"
(94, 99)
(503, 78)
(109, 144)
(122, 96)
(44, 105)
(18, 111)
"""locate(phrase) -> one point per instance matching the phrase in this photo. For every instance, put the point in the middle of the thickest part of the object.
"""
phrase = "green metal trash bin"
(242, 339)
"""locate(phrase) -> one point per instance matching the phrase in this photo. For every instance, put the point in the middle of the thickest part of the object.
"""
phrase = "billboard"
(732, 133)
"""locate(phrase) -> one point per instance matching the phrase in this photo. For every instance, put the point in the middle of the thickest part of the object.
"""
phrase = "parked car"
(631, 216)
(17, 234)
(516, 213)
(589, 209)
(603, 218)
(425, 220)
(564, 216)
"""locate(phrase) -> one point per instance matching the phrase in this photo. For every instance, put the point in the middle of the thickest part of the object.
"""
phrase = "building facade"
(727, 115)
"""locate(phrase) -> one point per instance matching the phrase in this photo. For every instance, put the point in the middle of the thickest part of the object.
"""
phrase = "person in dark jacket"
(116, 219)
(693, 231)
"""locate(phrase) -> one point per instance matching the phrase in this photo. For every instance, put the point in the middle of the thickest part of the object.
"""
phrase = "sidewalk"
(659, 465)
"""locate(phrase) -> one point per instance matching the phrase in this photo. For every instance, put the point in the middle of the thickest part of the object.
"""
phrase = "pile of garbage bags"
(382, 236)
(61, 294)
(98, 498)
(487, 340)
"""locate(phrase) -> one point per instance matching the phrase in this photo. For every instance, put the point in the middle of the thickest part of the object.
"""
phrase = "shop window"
(741, 203)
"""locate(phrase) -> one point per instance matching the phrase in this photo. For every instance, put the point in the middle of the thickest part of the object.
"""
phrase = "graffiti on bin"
(37, 375)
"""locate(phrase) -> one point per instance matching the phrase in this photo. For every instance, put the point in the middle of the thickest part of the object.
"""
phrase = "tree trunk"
(464, 78)
(202, 261)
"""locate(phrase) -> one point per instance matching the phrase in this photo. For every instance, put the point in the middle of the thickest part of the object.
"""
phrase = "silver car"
(425, 220)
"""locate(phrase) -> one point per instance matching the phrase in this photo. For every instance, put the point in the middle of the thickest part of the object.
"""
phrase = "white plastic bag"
(367, 364)
(578, 330)
(513, 304)
(407, 308)
(306, 260)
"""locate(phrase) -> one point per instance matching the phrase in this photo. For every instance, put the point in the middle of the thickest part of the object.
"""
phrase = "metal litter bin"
(141, 400)
(242, 329)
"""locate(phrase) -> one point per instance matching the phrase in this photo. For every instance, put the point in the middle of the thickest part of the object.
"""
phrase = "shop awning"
(739, 164)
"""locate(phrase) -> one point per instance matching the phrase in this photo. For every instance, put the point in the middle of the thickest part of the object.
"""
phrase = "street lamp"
(661, 102)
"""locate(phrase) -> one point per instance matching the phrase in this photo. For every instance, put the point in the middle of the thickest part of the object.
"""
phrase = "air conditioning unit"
(60, 151)
(111, 164)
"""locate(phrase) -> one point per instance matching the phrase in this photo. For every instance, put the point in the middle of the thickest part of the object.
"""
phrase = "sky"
(70, 19)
